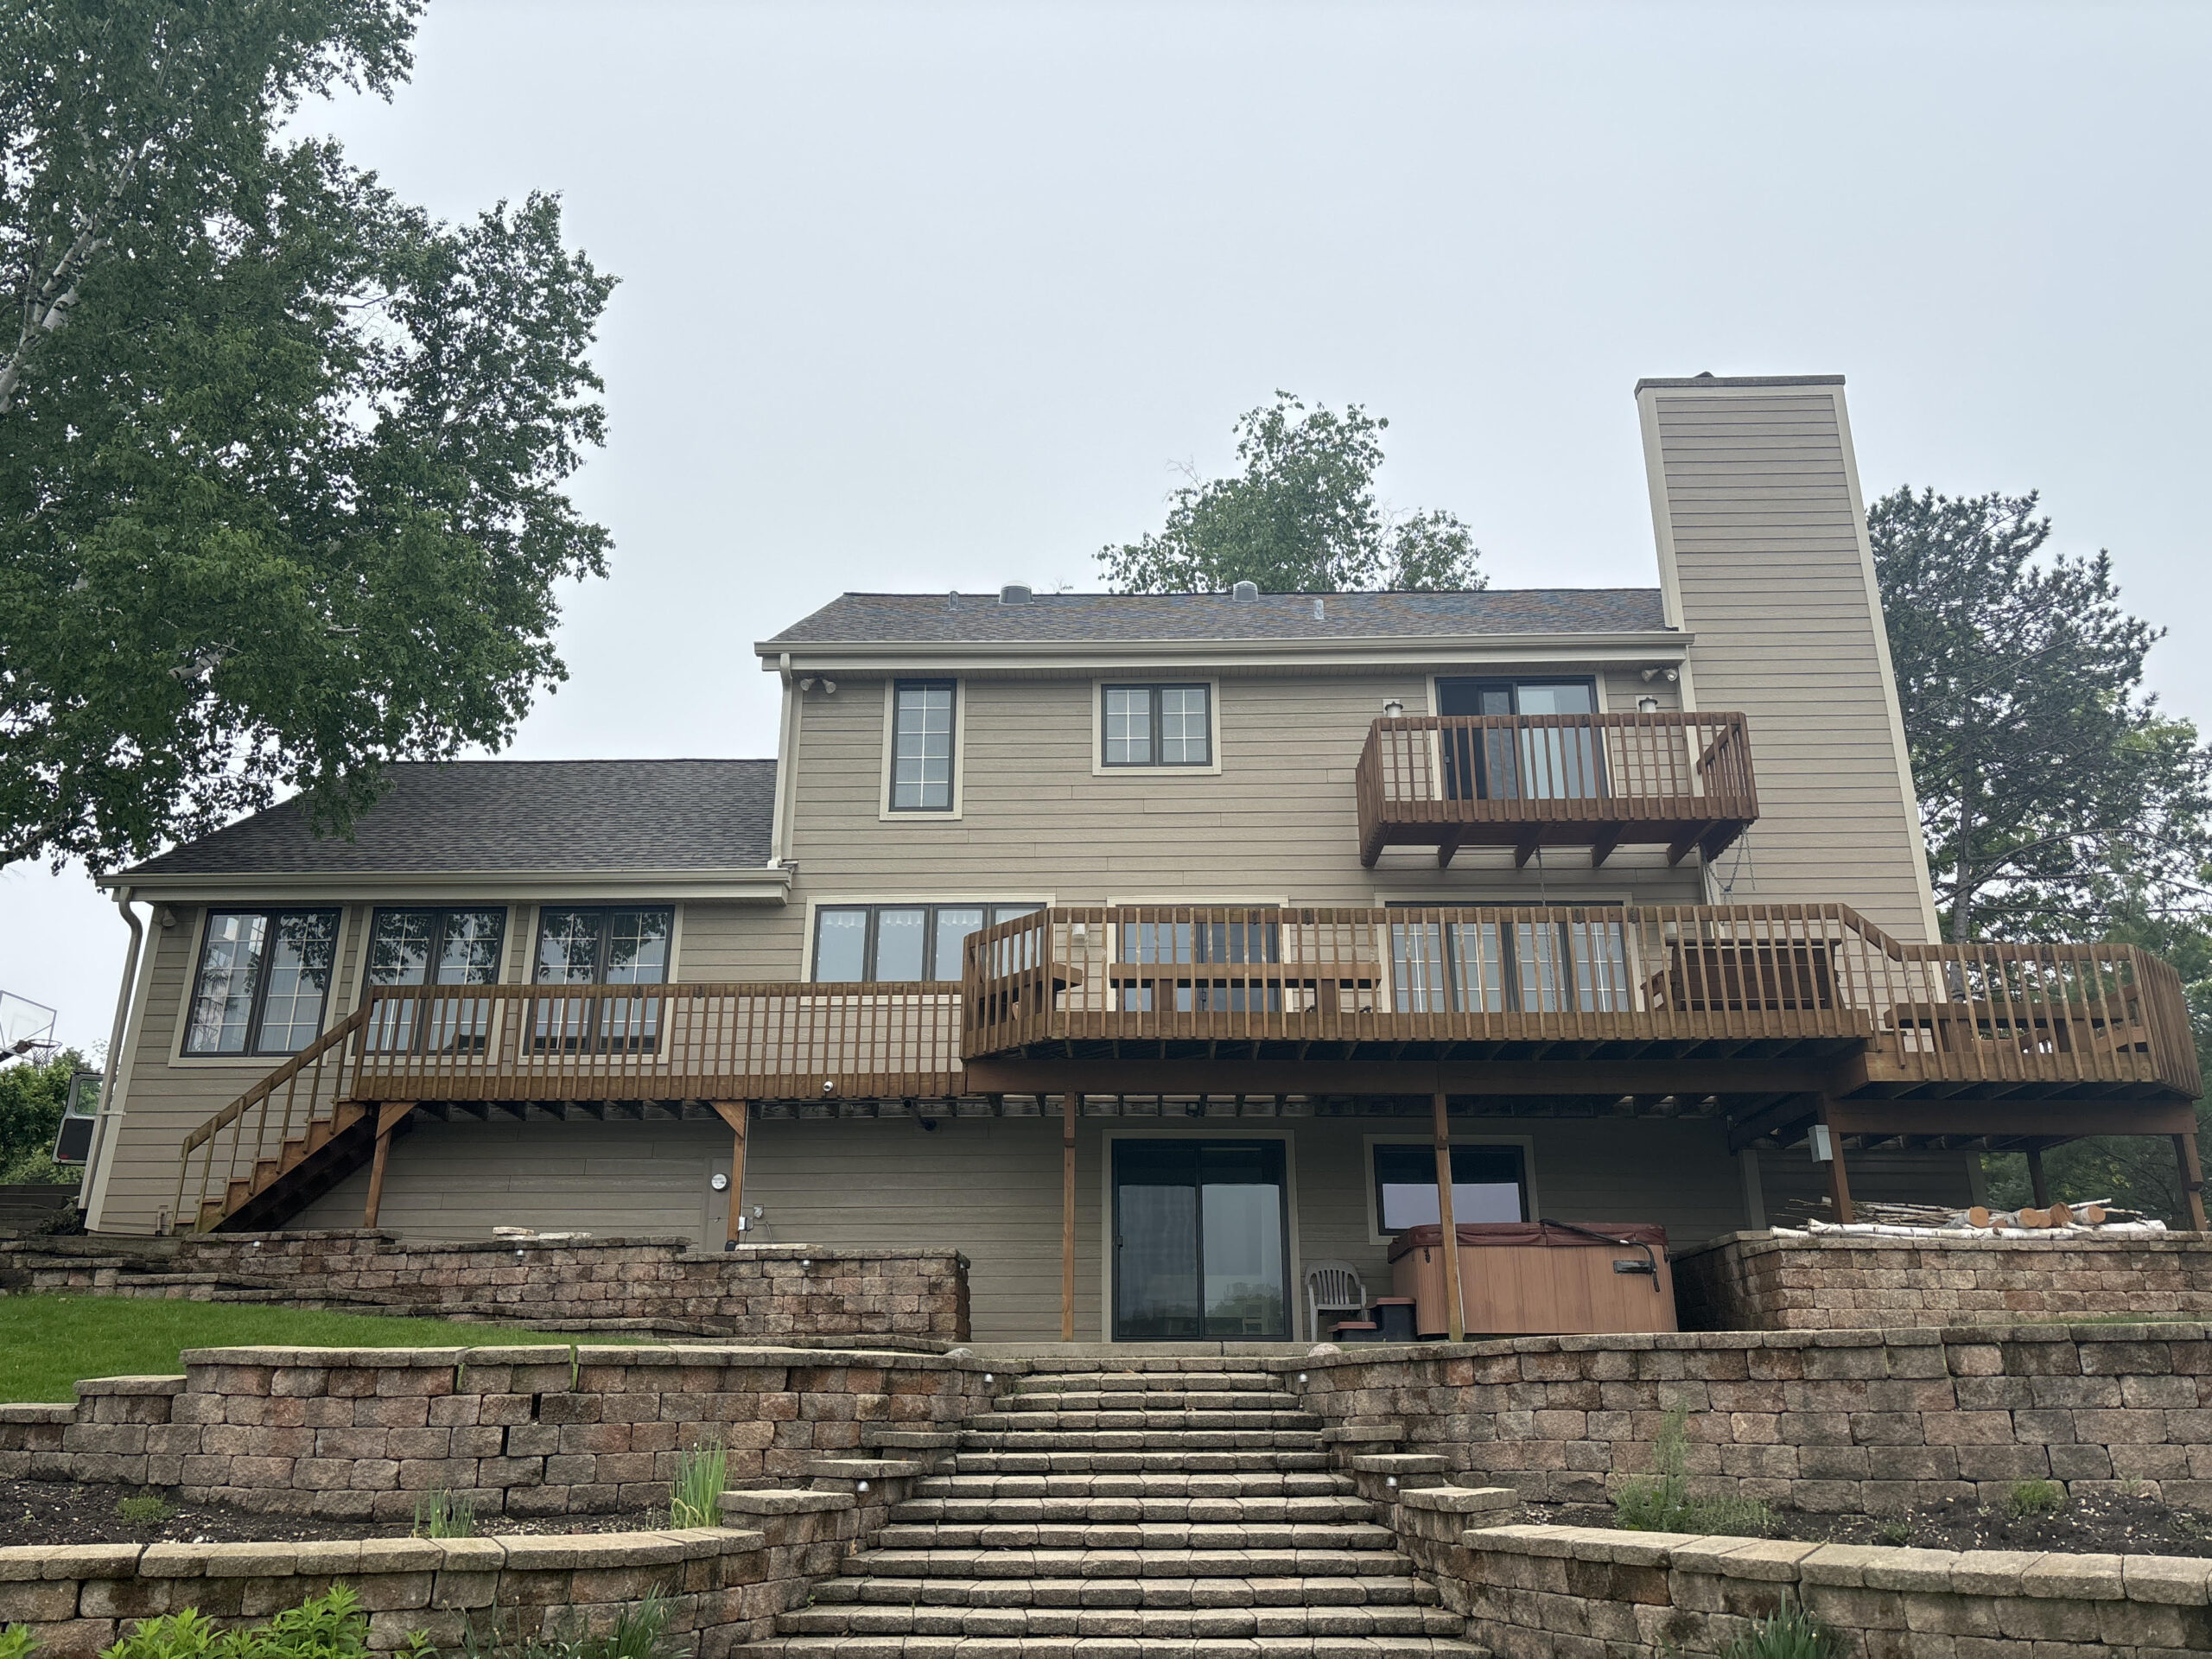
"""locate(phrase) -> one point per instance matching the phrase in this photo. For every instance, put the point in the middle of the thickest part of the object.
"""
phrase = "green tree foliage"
(282, 458)
(2052, 789)
(32, 1099)
(1299, 516)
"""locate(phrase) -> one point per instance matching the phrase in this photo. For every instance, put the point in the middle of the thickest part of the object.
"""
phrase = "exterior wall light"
(1647, 705)
(1394, 709)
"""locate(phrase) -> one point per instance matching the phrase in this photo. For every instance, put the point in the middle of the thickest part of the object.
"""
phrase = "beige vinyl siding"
(1758, 511)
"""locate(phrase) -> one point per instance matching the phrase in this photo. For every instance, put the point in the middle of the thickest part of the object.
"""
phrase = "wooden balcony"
(1518, 987)
(1525, 781)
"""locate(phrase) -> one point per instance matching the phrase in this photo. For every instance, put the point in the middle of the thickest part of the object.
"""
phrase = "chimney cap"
(1014, 593)
(1245, 590)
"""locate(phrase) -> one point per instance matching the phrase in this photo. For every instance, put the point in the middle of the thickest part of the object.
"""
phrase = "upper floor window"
(598, 945)
(262, 980)
(437, 947)
(1157, 725)
(1562, 762)
(922, 714)
(898, 942)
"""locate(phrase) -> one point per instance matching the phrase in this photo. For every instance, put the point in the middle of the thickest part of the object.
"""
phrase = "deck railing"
(1587, 780)
(1607, 976)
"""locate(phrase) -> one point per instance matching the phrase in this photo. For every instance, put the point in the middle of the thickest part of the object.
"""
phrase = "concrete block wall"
(1833, 1281)
(1830, 1421)
(776, 1293)
(363, 1434)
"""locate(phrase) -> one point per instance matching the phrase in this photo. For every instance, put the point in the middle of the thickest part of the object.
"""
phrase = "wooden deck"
(1682, 781)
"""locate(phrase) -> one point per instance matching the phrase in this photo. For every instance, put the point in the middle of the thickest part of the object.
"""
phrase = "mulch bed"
(2099, 1523)
(78, 1512)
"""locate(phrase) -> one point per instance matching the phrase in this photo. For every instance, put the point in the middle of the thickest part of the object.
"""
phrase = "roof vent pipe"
(1013, 593)
(1245, 590)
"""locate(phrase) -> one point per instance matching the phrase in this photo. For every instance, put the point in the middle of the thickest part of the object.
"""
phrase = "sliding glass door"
(1199, 1241)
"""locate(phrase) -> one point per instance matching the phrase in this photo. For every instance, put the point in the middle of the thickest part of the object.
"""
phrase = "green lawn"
(47, 1342)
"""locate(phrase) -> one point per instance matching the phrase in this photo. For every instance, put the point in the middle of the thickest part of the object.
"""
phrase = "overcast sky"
(923, 295)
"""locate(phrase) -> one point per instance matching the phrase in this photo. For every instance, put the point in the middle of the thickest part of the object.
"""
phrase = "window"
(263, 977)
(921, 745)
(600, 946)
(1538, 762)
(1579, 963)
(898, 942)
(1488, 1184)
(1157, 725)
(435, 947)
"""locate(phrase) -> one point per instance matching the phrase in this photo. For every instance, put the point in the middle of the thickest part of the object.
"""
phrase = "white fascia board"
(1083, 656)
(752, 884)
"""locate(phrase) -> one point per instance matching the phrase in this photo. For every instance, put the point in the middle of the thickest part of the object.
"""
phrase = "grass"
(441, 1515)
(2029, 1497)
(695, 1497)
(146, 1510)
(46, 1343)
(1662, 1502)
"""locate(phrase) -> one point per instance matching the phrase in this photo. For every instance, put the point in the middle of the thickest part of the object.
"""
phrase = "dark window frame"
(258, 1001)
(599, 962)
(1512, 684)
(1571, 985)
(1155, 719)
(994, 913)
(438, 913)
(1376, 1151)
(898, 688)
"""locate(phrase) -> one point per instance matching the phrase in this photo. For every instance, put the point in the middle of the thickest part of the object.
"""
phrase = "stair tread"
(1279, 1647)
(1282, 1590)
(1240, 1510)
(977, 1482)
(922, 1618)
(1101, 1534)
(1128, 1563)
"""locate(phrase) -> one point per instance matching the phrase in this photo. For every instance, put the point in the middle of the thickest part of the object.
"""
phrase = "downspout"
(113, 1060)
(786, 767)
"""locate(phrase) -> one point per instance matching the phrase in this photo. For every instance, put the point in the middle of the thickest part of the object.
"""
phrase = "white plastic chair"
(1336, 1287)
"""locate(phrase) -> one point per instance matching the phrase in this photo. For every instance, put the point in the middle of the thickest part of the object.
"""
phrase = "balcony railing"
(1574, 983)
(1679, 781)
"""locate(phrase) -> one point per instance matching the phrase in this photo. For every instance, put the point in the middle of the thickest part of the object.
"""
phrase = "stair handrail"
(259, 1095)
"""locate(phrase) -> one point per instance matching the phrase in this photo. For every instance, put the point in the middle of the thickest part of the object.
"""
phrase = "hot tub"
(1539, 1278)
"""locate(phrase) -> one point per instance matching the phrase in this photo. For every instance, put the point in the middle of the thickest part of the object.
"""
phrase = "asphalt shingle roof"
(891, 618)
(528, 817)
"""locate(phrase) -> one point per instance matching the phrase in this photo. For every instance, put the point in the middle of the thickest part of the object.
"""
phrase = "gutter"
(1644, 646)
(764, 885)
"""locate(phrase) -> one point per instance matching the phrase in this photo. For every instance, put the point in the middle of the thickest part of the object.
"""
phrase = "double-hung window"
(1156, 725)
(599, 945)
(898, 942)
(435, 947)
(263, 977)
(922, 715)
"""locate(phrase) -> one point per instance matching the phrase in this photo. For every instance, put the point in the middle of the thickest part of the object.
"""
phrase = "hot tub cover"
(1545, 1233)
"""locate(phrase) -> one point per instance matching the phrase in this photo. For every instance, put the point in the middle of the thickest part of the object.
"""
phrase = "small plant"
(332, 1626)
(695, 1497)
(1790, 1633)
(146, 1510)
(639, 1632)
(1662, 1502)
(17, 1643)
(442, 1514)
(1896, 1534)
(2029, 1497)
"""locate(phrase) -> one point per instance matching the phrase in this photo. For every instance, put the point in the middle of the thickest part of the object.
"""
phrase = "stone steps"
(970, 1483)
(1140, 1440)
(1240, 1510)
(1002, 1422)
(1398, 1591)
(1216, 1624)
(1098, 1533)
(1141, 1463)
(979, 1563)
(1079, 1647)
(1152, 1399)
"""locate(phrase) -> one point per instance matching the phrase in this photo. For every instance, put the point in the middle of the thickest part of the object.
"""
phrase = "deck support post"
(2038, 1186)
(2192, 1179)
(1069, 1098)
(737, 1115)
(388, 1115)
(1447, 1228)
(1838, 1179)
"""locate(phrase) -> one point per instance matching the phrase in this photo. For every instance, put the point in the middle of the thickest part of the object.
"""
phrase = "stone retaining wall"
(772, 1292)
(1534, 1593)
(724, 1586)
(362, 1434)
(1832, 1281)
(1831, 1421)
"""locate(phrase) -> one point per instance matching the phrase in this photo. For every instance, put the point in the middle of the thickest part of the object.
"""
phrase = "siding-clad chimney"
(1764, 556)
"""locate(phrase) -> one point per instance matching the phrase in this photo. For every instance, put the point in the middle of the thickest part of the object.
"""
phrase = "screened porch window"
(263, 977)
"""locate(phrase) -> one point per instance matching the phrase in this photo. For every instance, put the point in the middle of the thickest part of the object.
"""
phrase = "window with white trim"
(898, 942)
(1156, 726)
(922, 714)
(262, 980)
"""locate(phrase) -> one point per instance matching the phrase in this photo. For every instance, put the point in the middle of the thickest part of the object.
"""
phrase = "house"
(1140, 947)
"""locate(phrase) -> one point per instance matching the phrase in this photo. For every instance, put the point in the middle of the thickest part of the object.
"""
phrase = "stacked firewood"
(2093, 1213)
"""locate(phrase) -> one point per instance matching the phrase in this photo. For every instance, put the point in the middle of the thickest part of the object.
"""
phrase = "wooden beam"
(2192, 1177)
(2055, 1120)
(389, 1113)
(1069, 1099)
(2037, 1185)
(737, 1115)
(1838, 1180)
(1602, 848)
(1455, 1318)
(1771, 1119)
(1525, 848)
(1319, 1076)
(1447, 848)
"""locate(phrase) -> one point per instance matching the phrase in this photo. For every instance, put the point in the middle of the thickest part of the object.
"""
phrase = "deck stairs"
(1186, 1509)
(302, 1168)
